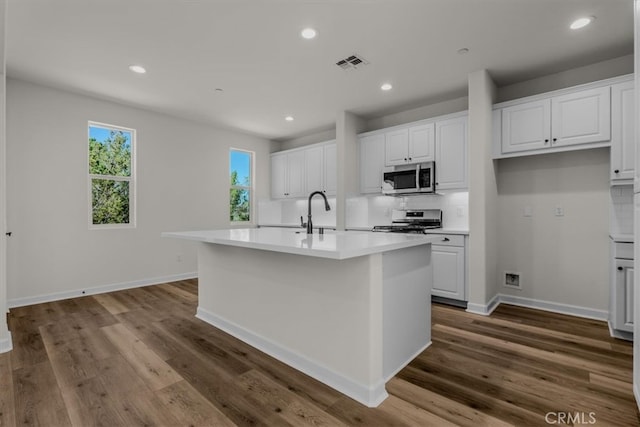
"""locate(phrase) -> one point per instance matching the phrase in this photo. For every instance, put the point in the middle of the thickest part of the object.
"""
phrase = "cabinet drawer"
(448, 239)
(623, 250)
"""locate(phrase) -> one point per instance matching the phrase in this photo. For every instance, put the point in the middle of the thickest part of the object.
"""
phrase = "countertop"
(332, 244)
(433, 231)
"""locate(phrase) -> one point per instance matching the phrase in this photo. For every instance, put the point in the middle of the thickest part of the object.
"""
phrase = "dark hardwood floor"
(140, 357)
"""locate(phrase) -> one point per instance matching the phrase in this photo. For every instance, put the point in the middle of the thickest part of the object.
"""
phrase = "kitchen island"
(349, 309)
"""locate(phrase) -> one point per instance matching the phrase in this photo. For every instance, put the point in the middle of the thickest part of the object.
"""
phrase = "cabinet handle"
(410, 159)
(546, 141)
(555, 139)
(405, 159)
(445, 239)
(619, 268)
(616, 171)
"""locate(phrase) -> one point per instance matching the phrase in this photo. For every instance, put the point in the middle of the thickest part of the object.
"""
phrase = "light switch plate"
(559, 211)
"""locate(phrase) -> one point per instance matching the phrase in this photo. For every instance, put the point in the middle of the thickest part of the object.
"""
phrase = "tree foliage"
(239, 200)
(110, 197)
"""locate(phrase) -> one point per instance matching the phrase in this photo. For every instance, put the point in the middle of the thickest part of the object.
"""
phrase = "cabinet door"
(314, 169)
(421, 143)
(623, 318)
(451, 154)
(448, 271)
(397, 147)
(278, 176)
(295, 174)
(330, 169)
(526, 126)
(372, 155)
(623, 152)
(582, 117)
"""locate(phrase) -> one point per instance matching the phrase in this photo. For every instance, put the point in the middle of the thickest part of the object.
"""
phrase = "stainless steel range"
(412, 221)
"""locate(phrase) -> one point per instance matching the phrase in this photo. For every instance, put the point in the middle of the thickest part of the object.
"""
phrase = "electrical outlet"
(559, 211)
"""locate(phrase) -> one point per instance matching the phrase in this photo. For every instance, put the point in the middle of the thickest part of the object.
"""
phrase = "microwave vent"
(352, 62)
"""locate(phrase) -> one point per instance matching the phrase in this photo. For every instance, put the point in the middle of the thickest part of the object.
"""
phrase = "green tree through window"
(110, 173)
(240, 180)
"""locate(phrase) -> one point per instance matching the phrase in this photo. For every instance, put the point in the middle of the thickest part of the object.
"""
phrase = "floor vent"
(352, 62)
(512, 280)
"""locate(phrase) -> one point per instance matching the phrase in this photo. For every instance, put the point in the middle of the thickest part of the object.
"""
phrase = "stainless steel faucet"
(327, 207)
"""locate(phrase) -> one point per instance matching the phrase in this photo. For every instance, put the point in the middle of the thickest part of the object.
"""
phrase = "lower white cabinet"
(448, 261)
(621, 316)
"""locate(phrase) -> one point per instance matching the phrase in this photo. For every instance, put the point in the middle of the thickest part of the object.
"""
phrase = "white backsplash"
(621, 215)
(367, 211)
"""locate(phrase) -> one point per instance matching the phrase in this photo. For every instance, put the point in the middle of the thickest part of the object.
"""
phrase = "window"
(241, 180)
(111, 176)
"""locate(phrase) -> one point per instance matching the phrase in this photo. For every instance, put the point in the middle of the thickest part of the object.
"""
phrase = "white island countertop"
(332, 244)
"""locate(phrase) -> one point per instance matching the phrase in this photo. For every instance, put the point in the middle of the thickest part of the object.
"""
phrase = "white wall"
(182, 184)
(562, 259)
(414, 114)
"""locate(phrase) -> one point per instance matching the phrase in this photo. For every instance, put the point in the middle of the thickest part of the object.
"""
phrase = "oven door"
(400, 180)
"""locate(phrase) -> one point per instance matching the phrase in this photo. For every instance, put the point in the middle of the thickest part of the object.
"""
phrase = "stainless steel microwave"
(409, 179)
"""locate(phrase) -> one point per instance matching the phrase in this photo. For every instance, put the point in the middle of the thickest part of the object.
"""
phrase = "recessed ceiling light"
(581, 22)
(137, 69)
(289, 118)
(386, 86)
(463, 51)
(308, 33)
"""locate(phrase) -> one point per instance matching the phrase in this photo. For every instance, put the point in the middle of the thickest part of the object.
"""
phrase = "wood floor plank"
(454, 412)
(148, 365)
(110, 303)
(140, 357)
(190, 408)
(7, 402)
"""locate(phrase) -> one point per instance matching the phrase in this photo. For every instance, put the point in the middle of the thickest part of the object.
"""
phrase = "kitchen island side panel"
(321, 316)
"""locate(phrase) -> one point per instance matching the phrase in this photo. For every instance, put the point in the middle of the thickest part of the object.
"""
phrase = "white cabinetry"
(451, 154)
(330, 169)
(571, 118)
(622, 309)
(372, 158)
(298, 172)
(409, 145)
(448, 260)
(623, 151)
(287, 174)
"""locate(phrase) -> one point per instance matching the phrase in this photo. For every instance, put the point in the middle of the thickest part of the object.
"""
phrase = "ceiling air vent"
(352, 62)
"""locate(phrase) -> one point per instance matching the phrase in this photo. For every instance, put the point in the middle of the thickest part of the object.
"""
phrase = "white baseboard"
(623, 335)
(21, 302)
(484, 309)
(369, 396)
(555, 307)
(636, 393)
(6, 344)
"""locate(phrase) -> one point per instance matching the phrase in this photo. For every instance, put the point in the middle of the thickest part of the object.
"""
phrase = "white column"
(636, 225)
(483, 194)
(5, 335)
(348, 125)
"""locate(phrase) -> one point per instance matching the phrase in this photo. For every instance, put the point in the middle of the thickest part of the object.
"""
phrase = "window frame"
(250, 188)
(131, 179)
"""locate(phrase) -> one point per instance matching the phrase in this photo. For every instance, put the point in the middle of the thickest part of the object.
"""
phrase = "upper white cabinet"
(556, 122)
(622, 132)
(412, 145)
(372, 159)
(330, 169)
(298, 172)
(314, 169)
(287, 174)
(526, 126)
(581, 118)
(451, 154)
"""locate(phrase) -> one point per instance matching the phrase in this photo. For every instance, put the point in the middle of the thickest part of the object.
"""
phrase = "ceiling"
(252, 49)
